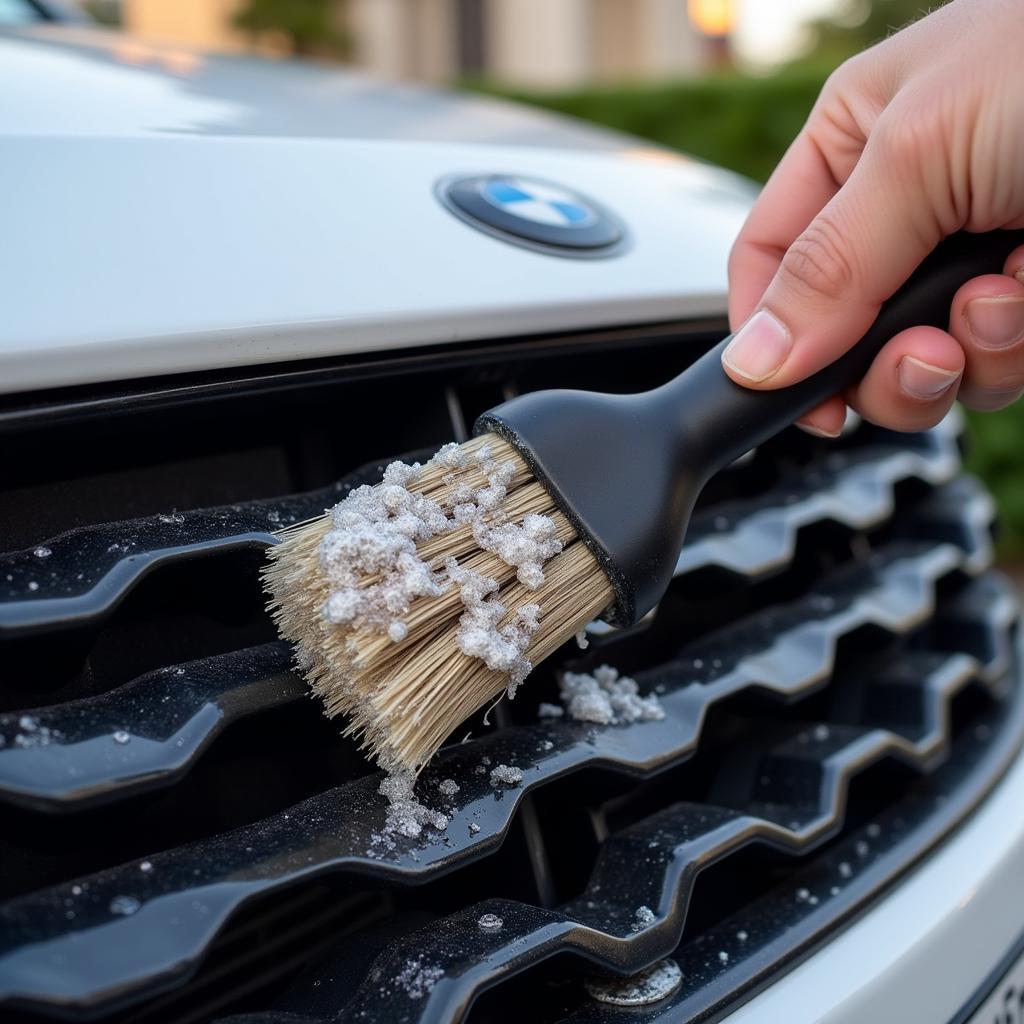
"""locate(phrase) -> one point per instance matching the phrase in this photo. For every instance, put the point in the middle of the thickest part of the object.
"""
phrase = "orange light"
(712, 17)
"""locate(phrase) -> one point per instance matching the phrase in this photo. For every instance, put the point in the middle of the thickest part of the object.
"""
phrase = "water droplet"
(874, 830)
(723, 957)
(862, 849)
(121, 736)
(76, 890)
(29, 723)
(803, 895)
(146, 866)
(742, 935)
(835, 890)
(821, 733)
(42, 552)
(32, 585)
(845, 870)
(124, 906)
(721, 523)
(490, 923)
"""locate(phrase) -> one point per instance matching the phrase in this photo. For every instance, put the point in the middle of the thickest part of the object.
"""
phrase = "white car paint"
(158, 231)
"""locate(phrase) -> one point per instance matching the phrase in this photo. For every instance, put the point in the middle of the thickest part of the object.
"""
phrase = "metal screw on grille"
(648, 986)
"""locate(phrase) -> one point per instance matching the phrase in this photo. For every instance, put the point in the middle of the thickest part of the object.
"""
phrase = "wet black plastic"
(188, 894)
(627, 469)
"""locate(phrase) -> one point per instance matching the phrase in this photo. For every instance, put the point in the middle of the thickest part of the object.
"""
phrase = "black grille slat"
(333, 831)
(89, 571)
(855, 489)
(164, 721)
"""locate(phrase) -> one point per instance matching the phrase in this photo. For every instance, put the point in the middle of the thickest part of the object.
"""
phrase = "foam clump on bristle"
(481, 633)
(527, 547)
(375, 530)
(416, 601)
(607, 698)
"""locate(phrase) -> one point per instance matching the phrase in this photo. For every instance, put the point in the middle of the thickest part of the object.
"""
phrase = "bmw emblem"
(534, 213)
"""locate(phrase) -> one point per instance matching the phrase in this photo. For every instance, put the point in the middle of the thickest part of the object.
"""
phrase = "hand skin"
(910, 141)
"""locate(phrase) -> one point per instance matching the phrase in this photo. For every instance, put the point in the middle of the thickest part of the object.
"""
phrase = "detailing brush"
(416, 602)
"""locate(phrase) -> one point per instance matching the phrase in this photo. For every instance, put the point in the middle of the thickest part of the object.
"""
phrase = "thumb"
(829, 284)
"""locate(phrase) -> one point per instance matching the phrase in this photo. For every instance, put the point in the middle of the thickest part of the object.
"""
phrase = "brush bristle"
(403, 698)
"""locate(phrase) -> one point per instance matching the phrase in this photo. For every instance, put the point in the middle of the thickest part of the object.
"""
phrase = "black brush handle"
(627, 469)
(736, 419)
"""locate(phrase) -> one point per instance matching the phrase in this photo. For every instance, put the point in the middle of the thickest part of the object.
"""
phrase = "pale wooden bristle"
(404, 698)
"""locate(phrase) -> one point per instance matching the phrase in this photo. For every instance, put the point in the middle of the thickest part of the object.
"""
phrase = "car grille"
(185, 838)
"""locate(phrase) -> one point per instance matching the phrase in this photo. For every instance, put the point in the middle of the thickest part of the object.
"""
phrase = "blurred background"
(730, 81)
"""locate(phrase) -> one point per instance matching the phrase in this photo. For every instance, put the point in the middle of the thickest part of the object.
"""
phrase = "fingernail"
(997, 322)
(922, 380)
(810, 428)
(758, 348)
(1019, 275)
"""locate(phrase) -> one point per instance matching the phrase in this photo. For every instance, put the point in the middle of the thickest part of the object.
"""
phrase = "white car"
(229, 290)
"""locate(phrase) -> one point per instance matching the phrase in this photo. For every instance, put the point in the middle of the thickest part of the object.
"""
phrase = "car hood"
(74, 80)
(169, 218)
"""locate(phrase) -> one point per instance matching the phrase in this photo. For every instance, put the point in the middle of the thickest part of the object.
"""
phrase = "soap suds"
(374, 533)
(480, 634)
(418, 979)
(406, 816)
(526, 547)
(607, 698)
(506, 775)
(643, 917)
(546, 710)
(33, 733)
(449, 787)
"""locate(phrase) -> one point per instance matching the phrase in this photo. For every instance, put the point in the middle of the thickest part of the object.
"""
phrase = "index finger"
(799, 187)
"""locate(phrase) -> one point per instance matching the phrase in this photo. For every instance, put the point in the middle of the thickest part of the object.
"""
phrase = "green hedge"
(741, 123)
(745, 124)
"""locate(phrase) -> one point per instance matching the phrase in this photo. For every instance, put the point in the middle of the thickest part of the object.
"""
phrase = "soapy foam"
(606, 698)
(369, 558)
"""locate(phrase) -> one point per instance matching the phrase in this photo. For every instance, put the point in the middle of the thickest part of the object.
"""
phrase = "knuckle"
(908, 134)
(817, 264)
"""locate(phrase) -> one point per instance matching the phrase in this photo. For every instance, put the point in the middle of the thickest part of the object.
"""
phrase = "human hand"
(917, 137)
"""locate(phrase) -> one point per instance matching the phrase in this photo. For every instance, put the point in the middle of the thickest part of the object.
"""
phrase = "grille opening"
(549, 991)
(178, 613)
(234, 783)
(268, 951)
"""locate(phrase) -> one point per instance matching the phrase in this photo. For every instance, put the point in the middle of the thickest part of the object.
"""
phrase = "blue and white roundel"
(536, 214)
(538, 202)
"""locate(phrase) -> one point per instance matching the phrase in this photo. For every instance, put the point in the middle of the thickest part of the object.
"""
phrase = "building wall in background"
(519, 43)
(203, 23)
